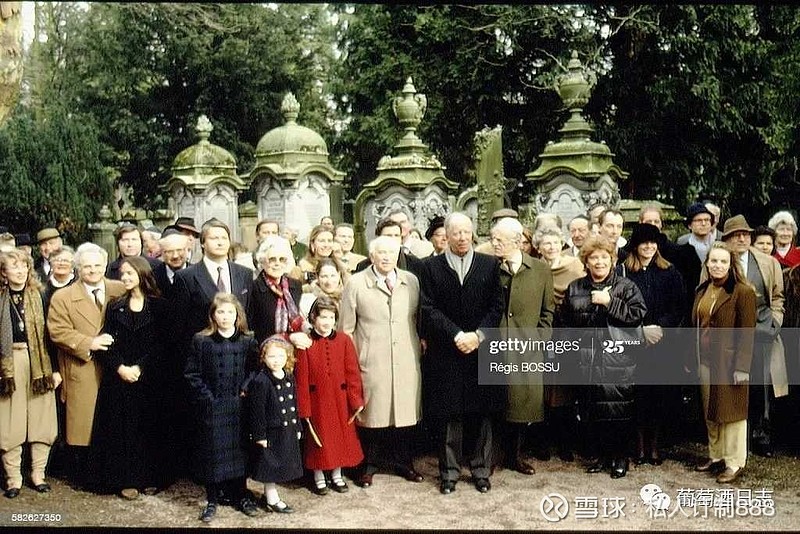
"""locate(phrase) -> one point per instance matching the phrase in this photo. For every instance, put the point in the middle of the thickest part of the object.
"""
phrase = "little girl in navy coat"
(216, 372)
(329, 397)
(274, 421)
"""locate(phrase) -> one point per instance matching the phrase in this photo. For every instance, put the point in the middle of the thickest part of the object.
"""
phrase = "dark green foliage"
(50, 173)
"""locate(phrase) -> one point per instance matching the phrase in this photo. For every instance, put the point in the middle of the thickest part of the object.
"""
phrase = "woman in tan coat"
(27, 377)
(724, 313)
(379, 310)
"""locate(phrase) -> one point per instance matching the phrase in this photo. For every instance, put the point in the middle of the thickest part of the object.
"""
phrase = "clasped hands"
(129, 373)
(467, 342)
(652, 333)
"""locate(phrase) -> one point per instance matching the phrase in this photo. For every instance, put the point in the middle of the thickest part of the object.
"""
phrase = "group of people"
(320, 359)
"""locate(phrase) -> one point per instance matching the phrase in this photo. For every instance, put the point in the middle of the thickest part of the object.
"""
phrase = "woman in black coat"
(598, 302)
(274, 304)
(662, 288)
(123, 453)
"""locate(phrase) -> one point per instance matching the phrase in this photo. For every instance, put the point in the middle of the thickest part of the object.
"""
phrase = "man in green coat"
(527, 285)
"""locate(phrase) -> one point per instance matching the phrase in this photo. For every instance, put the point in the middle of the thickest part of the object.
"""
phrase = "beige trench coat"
(73, 320)
(384, 329)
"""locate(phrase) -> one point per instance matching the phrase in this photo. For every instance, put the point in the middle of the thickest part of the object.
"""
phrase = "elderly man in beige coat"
(379, 310)
(74, 321)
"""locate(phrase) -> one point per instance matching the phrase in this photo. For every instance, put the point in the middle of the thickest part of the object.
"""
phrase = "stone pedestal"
(204, 183)
(294, 182)
(575, 172)
(413, 180)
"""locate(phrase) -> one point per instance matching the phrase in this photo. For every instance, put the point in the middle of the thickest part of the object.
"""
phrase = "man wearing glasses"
(700, 221)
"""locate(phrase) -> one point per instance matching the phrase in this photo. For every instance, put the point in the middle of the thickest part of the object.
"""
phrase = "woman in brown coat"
(724, 313)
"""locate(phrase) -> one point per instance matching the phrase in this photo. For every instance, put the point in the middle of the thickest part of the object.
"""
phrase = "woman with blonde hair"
(320, 245)
(602, 303)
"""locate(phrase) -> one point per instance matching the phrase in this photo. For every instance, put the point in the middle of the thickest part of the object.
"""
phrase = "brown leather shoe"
(729, 475)
(365, 480)
(711, 466)
(524, 468)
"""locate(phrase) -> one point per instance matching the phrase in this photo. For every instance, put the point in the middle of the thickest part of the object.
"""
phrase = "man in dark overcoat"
(461, 297)
(196, 285)
(194, 288)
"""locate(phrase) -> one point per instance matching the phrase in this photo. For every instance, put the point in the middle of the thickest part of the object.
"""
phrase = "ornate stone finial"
(290, 108)
(204, 128)
(409, 110)
(104, 214)
(575, 86)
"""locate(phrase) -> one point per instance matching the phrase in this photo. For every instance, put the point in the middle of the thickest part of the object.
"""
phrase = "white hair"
(277, 243)
(782, 217)
(384, 242)
(454, 217)
(88, 248)
(545, 231)
(509, 225)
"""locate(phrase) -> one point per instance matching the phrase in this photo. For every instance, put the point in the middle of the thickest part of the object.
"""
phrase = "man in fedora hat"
(768, 377)
(48, 240)
(185, 225)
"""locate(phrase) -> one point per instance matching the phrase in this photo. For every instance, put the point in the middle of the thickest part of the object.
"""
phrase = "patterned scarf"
(285, 308)
(41, 370)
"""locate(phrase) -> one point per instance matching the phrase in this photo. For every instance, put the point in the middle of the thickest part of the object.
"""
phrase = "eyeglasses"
(61, 260)
(277, 260)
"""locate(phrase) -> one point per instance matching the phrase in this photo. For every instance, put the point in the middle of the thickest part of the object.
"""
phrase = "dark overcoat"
(194, 290)
(124, 448)
(727, 346)
(527, 314)
(661, 365)
(328, 393)
(215, 372)
(273, 416)
(261, 310)
(608, 375)
(449, 377)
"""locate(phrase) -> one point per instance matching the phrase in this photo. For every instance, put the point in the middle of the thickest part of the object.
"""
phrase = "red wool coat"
(329, 392)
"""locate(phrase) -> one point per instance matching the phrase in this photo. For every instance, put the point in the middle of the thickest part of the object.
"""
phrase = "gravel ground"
(514, 502)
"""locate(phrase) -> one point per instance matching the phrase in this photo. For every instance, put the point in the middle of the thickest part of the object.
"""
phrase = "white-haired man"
(74, 320)
(461, 297)
(379, 310)
(529, 305)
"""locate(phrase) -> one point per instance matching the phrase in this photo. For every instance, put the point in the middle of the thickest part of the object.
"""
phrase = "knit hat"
(696, 209)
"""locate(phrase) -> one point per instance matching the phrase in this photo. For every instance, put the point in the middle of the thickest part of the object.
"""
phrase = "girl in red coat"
(329, 398)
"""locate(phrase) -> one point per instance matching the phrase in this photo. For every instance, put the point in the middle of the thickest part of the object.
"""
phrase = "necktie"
(389, 285)
(510, 266)
(220, 282)
(97, 301)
